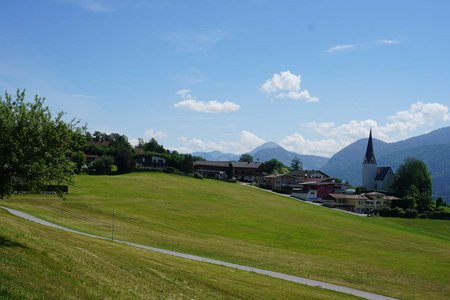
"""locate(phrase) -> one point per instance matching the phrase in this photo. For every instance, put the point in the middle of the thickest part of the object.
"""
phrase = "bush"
(197, 175)
(410, 213)
(439, 214)
(392, 212)
(169, 170)
(423, 216)
(102, 165)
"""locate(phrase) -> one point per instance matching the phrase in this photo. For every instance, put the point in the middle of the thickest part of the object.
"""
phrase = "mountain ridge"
(433, 148)
(268, 151)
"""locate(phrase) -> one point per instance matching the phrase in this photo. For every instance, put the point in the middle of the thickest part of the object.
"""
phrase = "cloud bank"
(332, 137)
(247, 142)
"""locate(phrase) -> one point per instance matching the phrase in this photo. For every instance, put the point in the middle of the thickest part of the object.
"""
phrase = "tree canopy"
(246, 157)
(296, 164)
(35, 147)
(412, 183)
(412, 172)
(274, 165)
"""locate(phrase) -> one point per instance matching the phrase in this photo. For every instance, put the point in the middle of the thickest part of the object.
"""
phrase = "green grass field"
(42, 263)
(396, 257)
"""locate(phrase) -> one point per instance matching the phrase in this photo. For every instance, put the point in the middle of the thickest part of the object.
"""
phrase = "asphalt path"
(296, 279)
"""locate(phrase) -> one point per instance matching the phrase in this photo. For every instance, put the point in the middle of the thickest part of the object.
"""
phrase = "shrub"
(169, 170)
(102, 165)
(410, 213)
(423, 216)
(197, 175)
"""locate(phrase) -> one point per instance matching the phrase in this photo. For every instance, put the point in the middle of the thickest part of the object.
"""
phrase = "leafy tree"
(246, 158)
(412, 172)
(125, 162)
(35, 147)
(274, 165)
(230, 171)
(296, 164)
(187, 164)
(102, 165)
(440, 202)
(153, 146)
(79, 158)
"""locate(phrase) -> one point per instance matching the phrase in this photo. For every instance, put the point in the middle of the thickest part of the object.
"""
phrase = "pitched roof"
(381, 173)
(369, 158)
(345, 196)
(307, 173)
(224, 164)
(277, 175)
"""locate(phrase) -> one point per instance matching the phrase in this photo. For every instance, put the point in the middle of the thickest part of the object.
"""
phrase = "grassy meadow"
(37, 262)
(396, 257)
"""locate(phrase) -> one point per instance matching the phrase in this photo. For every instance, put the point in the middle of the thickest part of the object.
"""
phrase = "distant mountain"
(265, 146)
(266, 152)
(433, 148)
(271, 150)
(217, 155)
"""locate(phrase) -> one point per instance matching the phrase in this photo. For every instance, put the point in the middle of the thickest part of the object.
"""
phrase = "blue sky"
(312, 76)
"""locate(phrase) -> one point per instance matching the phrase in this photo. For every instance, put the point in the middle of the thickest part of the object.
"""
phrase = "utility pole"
(112, 227)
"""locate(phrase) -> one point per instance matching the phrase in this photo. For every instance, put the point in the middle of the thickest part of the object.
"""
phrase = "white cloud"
(92, 5)
(286, 85)
(419, 114)
(342, 47)
(190, 103)
(388, 42)
(247, 142)
(331, 137)
(156, 134)
(369, 45)
(297, 143)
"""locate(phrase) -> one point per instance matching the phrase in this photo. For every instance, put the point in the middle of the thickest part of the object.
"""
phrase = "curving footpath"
(287, 277)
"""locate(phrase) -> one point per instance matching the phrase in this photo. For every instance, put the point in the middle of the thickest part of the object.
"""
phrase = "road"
(278, 275)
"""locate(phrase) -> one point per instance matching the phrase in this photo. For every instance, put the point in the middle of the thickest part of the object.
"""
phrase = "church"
(374, 177)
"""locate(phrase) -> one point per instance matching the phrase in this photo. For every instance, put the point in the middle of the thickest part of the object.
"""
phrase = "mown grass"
(43, 263)
(396, 257)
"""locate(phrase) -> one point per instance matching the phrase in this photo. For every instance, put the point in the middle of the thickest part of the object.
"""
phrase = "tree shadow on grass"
(4, 242)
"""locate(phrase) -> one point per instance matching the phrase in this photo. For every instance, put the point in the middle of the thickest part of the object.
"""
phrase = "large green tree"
(246, 157)
(412, 183)
(412, 172)
(35, 147)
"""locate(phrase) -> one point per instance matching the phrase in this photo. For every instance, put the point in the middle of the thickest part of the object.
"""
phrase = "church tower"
(369, 166)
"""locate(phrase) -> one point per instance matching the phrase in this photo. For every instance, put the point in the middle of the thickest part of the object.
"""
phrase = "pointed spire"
(369, 158)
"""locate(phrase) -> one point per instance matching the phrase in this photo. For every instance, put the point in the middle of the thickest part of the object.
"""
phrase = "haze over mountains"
(266, 152)
(433, 148)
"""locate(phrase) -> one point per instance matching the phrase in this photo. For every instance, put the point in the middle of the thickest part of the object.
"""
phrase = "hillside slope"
(250, 226)
(42, 263)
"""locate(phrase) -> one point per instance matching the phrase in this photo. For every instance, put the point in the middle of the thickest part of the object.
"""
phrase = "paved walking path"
(291, 278)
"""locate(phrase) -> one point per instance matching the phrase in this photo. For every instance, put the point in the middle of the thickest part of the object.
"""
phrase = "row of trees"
(114, 149)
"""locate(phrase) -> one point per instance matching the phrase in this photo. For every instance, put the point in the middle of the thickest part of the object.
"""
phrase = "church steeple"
(369, 158)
